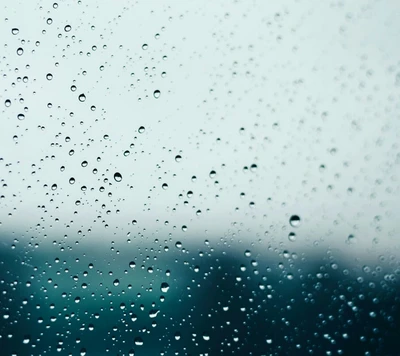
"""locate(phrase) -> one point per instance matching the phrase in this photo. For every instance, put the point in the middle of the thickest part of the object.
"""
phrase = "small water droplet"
(292, 236)
(7, 103)
(20, 51)
(49, 76)
(294, 220)
(156, 94)
(116, 282)
(141, 129)
(117, 177)
(213, 174)
(138, 341)
(21, 116)
(206, 337)
(178, 158)
(82, 98)
(67, 28)
(15, 31)
(165, 186)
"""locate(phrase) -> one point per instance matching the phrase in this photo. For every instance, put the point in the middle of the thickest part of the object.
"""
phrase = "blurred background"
(199, 178)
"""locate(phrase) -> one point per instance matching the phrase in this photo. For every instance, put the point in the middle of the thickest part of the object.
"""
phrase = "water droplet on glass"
(67, 28)
(141, 129)
(213, 174)
(49, 76)
(132, 264)
(82, 98)
(7, 103)
(292, 236)
(206, 337)
(117, 177)
(165, 186)
(156, 94)
(178, 158)
(20, 51)
(294, 220)
(21, 116)
(164, 287)
(138, 341)
(15, 31)
(116, 282)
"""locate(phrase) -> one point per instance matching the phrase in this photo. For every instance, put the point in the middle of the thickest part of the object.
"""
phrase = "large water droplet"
(164, 287)
(117, 177)
(15, 31)
(141, 129)
(156, 94)
(82, 97)
(294, 220)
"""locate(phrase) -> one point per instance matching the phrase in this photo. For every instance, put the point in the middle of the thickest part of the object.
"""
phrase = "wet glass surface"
(199, 178)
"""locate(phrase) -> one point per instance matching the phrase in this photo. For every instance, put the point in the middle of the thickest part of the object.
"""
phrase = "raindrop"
(27, 339)
(84, 164)
(292, 236)
(21, 116)
(138, 341)
(294, 220)
(72, 180)
(15, 31)
(82, 98)
(7, 103)
(49, 76)
(156, 94)
(116, 282)
(153, 313)
(178, 158)
(117, 177)
(20, 51)
(132, 264)
(165, 186)
(141, 129)
(164, 287)
(213, 174)
(67, 28)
